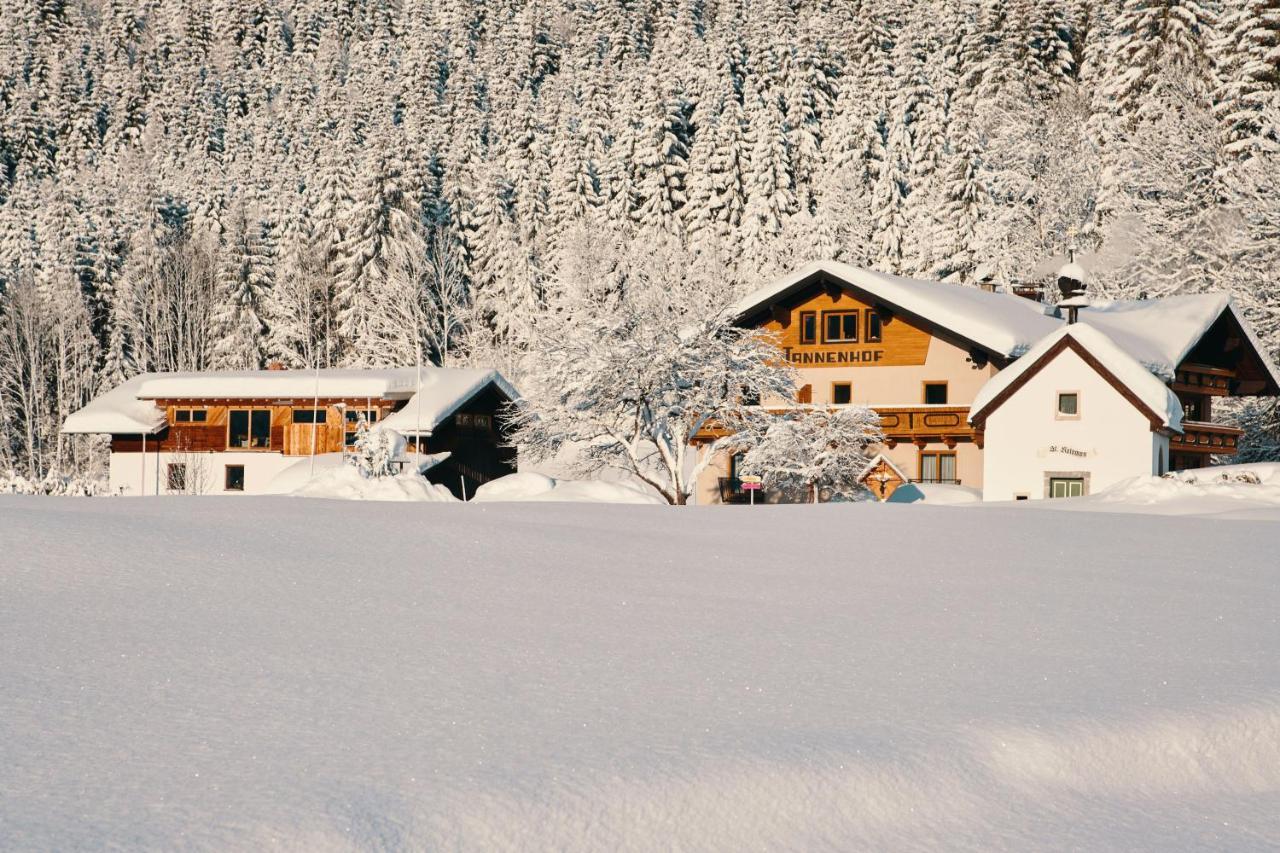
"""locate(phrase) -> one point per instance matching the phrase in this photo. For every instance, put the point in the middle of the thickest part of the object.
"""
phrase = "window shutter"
(805, 395)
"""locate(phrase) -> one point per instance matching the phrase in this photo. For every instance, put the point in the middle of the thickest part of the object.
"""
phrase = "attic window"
(840, 327)
(874, 333)
(1068, 404)
(808, 327)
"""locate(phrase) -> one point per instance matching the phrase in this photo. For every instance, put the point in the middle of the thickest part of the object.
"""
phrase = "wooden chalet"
(239, 431)
(920, 352)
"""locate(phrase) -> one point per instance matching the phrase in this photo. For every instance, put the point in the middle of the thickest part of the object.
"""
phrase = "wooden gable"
(902, 342)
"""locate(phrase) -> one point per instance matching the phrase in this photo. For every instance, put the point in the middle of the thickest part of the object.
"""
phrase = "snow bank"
(1227, 491)
(263, 673)
(531, 486)
(934, 493)
(345, 482)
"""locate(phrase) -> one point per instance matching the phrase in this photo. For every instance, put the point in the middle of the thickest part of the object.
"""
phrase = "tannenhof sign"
(835, 357)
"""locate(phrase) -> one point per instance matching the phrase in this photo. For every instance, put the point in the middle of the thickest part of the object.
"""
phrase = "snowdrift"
(531, 486)
(266, 673)
(1224, 491)
(934, 493)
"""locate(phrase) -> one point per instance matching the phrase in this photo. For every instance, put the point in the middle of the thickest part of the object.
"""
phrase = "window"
(310, 416)
(841, 393)
(935, 393)
(840, 327)
(874, 333)
(484, 423)
(249, 428)
(938, 468)
(188, 416)
(1066, 487)
(735, 465)
(1068, 404)
(176, 477)
(1193, 409)
(808, 327)
(235, 478)
(1020, 497)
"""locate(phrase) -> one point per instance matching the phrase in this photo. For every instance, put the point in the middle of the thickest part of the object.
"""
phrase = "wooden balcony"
(1200, 437)
(923, 424)
(918, 424)
(1199, 379)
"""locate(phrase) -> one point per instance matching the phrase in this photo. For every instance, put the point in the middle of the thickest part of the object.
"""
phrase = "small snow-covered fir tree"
(376, 450)
(809, 450)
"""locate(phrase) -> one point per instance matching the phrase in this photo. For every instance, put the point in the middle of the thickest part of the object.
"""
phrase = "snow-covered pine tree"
(1248, 96)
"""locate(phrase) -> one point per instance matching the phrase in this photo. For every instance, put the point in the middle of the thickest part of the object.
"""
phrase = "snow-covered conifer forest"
(188, 184)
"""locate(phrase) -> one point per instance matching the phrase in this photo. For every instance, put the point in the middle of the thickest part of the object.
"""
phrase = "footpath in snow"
(275, 673)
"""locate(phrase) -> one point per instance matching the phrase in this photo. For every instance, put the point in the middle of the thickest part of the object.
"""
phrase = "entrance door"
(1066, 487)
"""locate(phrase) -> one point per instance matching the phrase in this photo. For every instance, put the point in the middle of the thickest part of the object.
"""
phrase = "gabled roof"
(999, 323)
(879, 458)
(1160, 333)
(1135, 382)
(443, 392)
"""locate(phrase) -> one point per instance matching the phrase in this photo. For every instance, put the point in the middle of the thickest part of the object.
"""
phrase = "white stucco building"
(1073, 416)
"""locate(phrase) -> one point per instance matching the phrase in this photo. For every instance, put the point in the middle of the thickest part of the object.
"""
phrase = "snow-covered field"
(261, 673)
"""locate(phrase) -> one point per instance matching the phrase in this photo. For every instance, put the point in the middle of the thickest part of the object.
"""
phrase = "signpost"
(751, 485)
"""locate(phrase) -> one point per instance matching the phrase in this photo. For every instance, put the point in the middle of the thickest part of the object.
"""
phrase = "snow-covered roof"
(999, 322)
(443, 392)
(1147, 388)
(118, 411)
(1160, 333)
(876, 461)
(128, 409)
(395, 383)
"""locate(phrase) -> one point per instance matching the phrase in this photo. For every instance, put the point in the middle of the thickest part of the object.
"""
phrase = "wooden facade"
(800, 327)
(212, 432)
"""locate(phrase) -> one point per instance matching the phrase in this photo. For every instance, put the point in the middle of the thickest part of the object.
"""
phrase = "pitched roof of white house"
(443, 392)
(129, 409)
(998, 322)
(1132, 378)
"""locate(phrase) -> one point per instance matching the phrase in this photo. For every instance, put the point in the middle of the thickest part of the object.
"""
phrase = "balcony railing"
(1198, 437)
(936, 481)
(731, 491)
(1199, 379)
(927, 423)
